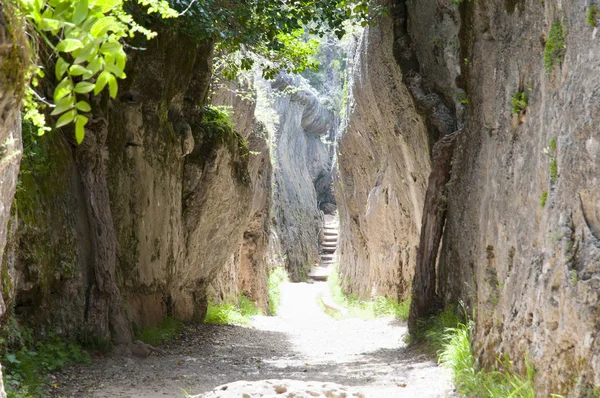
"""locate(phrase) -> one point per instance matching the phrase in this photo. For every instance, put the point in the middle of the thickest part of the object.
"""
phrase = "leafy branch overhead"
(85, 36)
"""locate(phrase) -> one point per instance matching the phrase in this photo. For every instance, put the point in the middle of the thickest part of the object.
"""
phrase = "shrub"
(519, 102)
(543, 199)
(592, 16)
(555, 46)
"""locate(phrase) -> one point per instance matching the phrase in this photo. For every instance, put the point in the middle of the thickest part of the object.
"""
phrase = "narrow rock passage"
(302, 344)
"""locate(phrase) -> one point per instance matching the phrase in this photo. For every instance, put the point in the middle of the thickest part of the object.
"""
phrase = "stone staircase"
(327, 249)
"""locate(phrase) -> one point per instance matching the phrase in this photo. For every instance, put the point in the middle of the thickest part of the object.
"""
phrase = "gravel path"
(298, 348)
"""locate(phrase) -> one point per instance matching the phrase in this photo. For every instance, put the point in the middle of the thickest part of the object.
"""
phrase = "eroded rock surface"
(381, 174)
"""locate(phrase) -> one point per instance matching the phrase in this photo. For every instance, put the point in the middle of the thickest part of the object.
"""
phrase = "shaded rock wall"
(381, 172)
(529, 267)
(247, 270)
(132, 225)
(299, 157)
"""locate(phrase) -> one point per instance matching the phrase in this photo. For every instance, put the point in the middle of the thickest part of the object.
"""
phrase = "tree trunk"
(105, 314)
(14, 59)
(425, 301)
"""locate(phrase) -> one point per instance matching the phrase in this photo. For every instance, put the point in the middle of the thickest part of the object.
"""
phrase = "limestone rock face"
(246, 271)
(299, 158)
(133, 224)
(529, 265)
(381, 172)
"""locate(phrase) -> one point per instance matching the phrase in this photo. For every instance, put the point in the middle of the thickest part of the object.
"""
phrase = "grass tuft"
(167, 330)
(368, 309)
(519, 102)
(277, 276)
(543, 199)
(230, 314)
(592, 19)
(449, 334)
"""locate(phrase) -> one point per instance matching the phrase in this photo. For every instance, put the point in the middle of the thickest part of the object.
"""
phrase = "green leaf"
(66, 118)
(68, 45)
(113, 86)
(84, 87)
(64, 87)
(87, 53)
(77, 70)
(111, 47)
(63, 105)
(107, 5)
(103, 25)
(61, 68)
(79, 128)
(101, 82)
(81, 12)
(50, 24)
(83, 106)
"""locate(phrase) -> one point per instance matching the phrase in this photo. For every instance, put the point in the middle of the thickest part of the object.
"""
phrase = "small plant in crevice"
(593, 15)
(554, 51)
(553, 170)
(462, 98)
(277, 276)
(573, 277)
(519, 102)
(543, 199)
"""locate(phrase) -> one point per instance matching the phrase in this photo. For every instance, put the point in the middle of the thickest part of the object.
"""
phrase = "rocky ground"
(300, 353)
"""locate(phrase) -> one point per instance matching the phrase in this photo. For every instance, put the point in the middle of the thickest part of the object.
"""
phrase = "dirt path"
(302, 343)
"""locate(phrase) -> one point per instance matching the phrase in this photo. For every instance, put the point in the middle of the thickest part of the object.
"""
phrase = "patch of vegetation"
(462, 98)
(573, 277)
(368, 309)
(448, 333)
(519, 102)
(553, 170)
(277, 276)
(554, 52)
(167, 330)
(231, 314)
(593, 15)
(543, 199)
(27, 362)
(552, 145)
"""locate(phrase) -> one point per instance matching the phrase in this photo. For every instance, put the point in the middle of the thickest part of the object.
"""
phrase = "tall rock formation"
(14, 59)
(381, 172)
(299, 158)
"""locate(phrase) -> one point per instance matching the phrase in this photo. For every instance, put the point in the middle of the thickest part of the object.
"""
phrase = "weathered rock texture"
(300, 159)
(247, 270)
(382, 170)
(531, 269)
(520, 243)
(14, 59)
(132, 225)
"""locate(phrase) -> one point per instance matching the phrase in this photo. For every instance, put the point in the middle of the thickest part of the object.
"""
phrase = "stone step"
(330, 241)
(329, 245)
(320, 273)
(327, 257)
(330, 233)
(328, 249)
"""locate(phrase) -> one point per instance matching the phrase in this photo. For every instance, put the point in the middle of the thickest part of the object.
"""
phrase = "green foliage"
(273, 29)
(519, 102)
(230, 314)
(368, 309)
(573, 277)
(593, 15)
(247, 307)
(85, 37)
(552, 145)
(462, 98)
(26, 362)
(167, 330)
(554, 52)
(553, 170)
(277, 276)
(456, 355)
(543, 199)
(448, 334)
